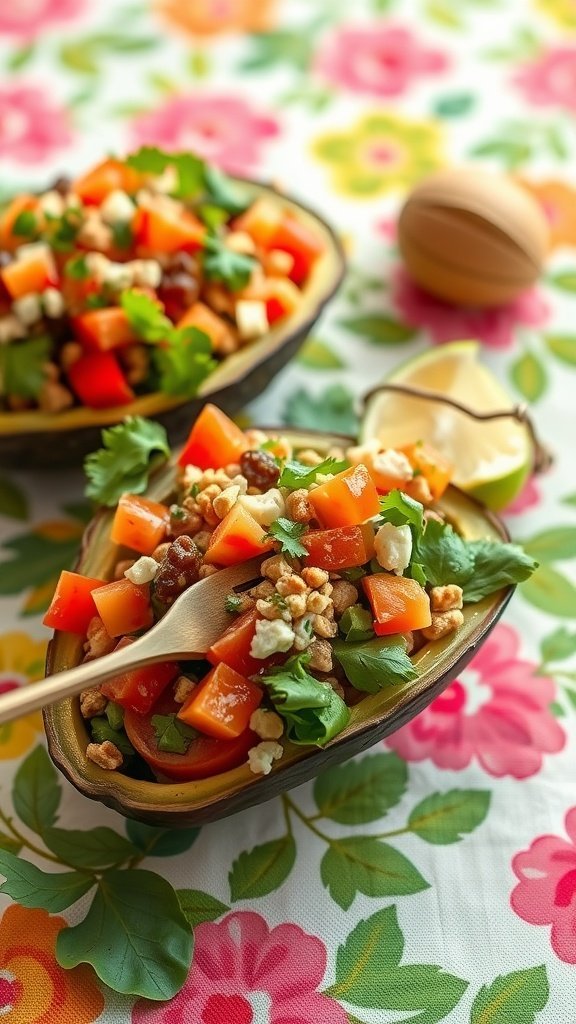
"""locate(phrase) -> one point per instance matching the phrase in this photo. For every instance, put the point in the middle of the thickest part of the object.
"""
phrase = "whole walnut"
(179, 569)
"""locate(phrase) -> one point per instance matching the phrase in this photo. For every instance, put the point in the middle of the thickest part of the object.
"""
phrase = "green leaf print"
(270, 49)
(379, 329)
(160, 842)
(332, 409)
(565, 280)
(551, 592)
(529, 376)
(317, 355)
(558, 646)
(93, 848)
(9, 843)
(552, 545)
(36, 791)
(52, 891)
(454, 105)
(563, 346)
(514, 998)
(364, 864)
(13, 500)
(198, 906)
(151, 961)
(361, 791)
(444, 818)
(260, 871)
(36, 558)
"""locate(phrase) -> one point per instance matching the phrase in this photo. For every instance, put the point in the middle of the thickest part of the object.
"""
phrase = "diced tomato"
(434, 467)
(20, 204)
(349, 499)
(32, 273)
(233, 647)
(296, 238)
(222, 703)
(141, 688)
(98, 381)
(237, 538)
(340, 548)
(109, 176)
(205, 756)
(398, 603)
(72, 606)
(139, 523)
(168, 231)
(282, 298)
(103, 329)
(123, 607)
(214, 441)
(201, 316)
(261, 220)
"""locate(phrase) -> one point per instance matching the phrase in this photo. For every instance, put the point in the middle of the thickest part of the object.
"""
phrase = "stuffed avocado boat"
(378, 581)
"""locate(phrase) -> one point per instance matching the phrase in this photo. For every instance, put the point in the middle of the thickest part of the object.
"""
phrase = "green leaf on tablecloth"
(444, 818)
(512, 153)
(36, 791)
(198, 906)
(556, 709)
(571, 695)
(99, 847)
(443, 12)
(13, 500)
(271, 49)
(558, 646)
(31, 887)
(364, 864)
(565, 280)
(514, 998)
(160, 842)
(552, 545)
(563, 346)
(20, 57)
(78, 57)
(317, 355)
(368, 973)
(39, 598)
(529, 376)
(569, 499)
(135, 935)
(263, 869)
(379, 329)
(551, 592)
(37, 557)
(9, 843)
(332, 409)
(361, 791)
(454, 104)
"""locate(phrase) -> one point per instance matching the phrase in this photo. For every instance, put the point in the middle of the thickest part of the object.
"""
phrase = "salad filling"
(359, 570)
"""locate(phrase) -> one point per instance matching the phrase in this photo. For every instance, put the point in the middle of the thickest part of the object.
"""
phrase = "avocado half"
(375, 716)
(39, 440)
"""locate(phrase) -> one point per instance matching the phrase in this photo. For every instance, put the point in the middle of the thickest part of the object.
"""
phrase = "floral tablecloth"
(433, 878)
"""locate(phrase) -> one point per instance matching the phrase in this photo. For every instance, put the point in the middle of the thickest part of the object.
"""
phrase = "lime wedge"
(491, 459)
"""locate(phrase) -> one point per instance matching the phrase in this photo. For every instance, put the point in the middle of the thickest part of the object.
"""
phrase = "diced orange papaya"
(123, 607)
(261, 220)
(349, 499)
(167, 231)
(72, 606)
(109, 176)
(301, 242)
(398, 604)
(20, 204)
(205, 319)
(222, 703)
(436, 469)
(33, 273)
(104, 329)
(233, 647)
(237, 538)
(341, 548)
(139, 523)
(282, 298)
(214, 440)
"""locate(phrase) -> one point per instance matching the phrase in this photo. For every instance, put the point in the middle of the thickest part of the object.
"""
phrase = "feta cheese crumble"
(272, 636)
(393, 546)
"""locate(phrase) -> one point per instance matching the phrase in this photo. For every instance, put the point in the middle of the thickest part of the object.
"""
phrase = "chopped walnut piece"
(296, 604)
(206, 570)
(54, 397)
(225, 501)
(344, 595)
(321, 655)
(106, 755)
(442, 624)
(419, 489)
(98, 641)
(446, 599)
(317, 603)
(262, 590)
(298, 506)
(323, 626)
(182, 689)
(291, 583)
(275, 567)
(92, 702)
(308, 457)
(314, 577)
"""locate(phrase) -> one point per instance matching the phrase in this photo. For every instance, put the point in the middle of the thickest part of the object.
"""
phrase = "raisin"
(179, 569)
(180, 285)
(260, 469)
(62, 185)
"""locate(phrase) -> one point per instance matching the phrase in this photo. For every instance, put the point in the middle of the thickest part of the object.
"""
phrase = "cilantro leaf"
(356, 624)
(222, 264)
(77, 268)
(296, 474)
(496, 565)
(287, 532)
(212, 216)
(221, 192)
(444, 556)
(22, 366)
(184, 362)
(370, 665)
(145, 316)
(122, 234)
(124, 463)
(400, 509)
(189, 168)
(172, 735)
(61, 231)
(25, 224)
(313, 712)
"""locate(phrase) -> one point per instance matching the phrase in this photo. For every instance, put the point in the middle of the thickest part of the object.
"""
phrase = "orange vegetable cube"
(72, 606)
(139, 523)
(261, 220)
(214, 441)
(349, 499)
(398, 604)
(237, 538)
(123, 607)
(163, 230)
(221, 704)
(433, 466)
(233, 647)
(201, 316)
(103, 329)
(282, 298)
(31, 273)
(339, 548)
(18, 205)
(109, 176)
(297, 239)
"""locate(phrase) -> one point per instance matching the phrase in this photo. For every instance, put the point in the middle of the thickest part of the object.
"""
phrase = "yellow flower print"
(563, 12)
(21, 662)
(381, 153)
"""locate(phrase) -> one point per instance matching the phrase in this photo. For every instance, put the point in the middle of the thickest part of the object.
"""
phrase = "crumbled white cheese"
(97, 264)
(53, 303)
(34, 250)
(393, 546)
(271, 636)
(266, 724)
(52, 203)
(94, 233)
(118, 275)
(265, 508)
(303, 632)
(251, 318)
(363, 452)
(167, 181)
(393, 464)
(147, 273)
(143, 571)
(261, 757)
(10, 328)
(28, 308)
(117, 208)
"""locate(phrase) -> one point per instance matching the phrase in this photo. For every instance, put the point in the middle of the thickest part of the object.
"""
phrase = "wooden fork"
(189, 627)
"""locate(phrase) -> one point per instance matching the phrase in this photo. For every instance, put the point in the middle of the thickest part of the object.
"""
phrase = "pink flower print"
(445, 322)
(222, 129)
(550, 80)
(243, 972)
(26, 19)
(379, 59)
(546, 892)
(496, 712)
(528, 498)
(32, 125)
